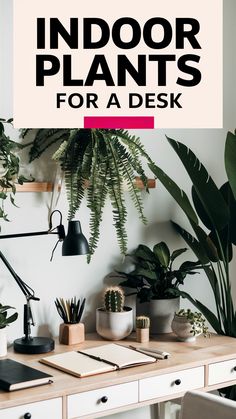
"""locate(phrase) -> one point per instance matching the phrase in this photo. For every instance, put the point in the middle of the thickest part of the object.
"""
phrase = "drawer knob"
(234, 368)
(104, 399)
(27, 415)
(178, 382)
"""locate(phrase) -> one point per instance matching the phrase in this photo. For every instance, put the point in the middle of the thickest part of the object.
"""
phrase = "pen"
(155, 351)
(151, 352)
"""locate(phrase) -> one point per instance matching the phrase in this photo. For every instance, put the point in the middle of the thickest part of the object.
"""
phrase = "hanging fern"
(97, 161)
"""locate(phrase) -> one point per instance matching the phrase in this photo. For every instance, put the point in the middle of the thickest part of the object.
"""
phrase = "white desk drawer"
(46, 409)
(173, 383)
(222, 371)
(106, 398)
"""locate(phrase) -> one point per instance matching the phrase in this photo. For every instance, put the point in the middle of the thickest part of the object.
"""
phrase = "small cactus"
(114, 299)
(142, 322)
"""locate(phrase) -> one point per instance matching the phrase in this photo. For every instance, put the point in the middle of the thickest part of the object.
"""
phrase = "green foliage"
(97, 161)
(154, 276)
(4, 320)
(197, 321)
(142, 322)
(114, 299)
(215, 208)
(10, 168)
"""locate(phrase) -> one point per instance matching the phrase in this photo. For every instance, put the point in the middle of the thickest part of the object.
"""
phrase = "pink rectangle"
(115, 122)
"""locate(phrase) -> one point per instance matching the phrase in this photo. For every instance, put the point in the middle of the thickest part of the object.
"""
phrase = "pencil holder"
(71, 334)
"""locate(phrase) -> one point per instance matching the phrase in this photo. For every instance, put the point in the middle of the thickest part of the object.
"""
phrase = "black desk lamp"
(73, 244)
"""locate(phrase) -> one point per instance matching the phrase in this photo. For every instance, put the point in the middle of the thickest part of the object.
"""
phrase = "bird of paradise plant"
(216, 209)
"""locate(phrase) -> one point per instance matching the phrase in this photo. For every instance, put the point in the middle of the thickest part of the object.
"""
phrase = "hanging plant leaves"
(98, 161)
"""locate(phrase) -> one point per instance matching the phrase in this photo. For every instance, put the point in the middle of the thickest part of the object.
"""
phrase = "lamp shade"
(75, 242)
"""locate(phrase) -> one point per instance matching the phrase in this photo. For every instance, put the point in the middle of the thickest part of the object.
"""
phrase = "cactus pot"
(162, 313)
(114, 325)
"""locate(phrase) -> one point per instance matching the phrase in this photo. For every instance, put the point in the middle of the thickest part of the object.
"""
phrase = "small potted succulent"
(71, 331)
(114, 321)
(187, 325)
(142, 329)
(5, 321)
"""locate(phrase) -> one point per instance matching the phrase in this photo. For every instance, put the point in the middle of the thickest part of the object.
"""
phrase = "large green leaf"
(178, 194)
(207, 191)
(192, 243)
(206, 242)
(143, 252)
(201, 210)
(177, 253)
(146, 273)
(231, 202)
(230, 160)
(162, 253)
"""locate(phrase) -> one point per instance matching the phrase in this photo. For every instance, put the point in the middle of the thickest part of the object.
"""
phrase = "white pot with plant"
(114, 321)
(187, 325)
(5, 321)
(156, 282)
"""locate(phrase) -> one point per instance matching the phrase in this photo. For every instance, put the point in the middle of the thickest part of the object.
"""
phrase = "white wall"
(72, 276)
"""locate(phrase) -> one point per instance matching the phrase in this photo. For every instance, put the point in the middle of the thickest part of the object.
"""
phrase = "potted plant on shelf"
(114, 321)
(71, 331)
(157, 282)
(4, 322)
(187, 325)
(9, 168)
(99, 161)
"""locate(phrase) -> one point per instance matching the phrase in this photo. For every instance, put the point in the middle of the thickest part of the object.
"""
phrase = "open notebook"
(97, 360)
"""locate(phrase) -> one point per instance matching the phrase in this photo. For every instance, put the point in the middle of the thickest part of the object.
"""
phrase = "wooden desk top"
(203, 351)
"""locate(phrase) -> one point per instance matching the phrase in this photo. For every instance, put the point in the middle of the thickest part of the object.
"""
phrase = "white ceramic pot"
(3, 342)
(114, 326)
(182, 328)
(161, 314)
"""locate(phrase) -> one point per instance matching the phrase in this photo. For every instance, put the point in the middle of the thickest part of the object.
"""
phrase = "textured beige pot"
(142, 335)
(182, 328)
(71, 334)
(161, 314)
(114, 326)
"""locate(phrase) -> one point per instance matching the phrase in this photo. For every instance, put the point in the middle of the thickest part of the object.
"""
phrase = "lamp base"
(37, 345)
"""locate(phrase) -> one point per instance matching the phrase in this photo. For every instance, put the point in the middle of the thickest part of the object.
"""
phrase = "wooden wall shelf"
(48, 186)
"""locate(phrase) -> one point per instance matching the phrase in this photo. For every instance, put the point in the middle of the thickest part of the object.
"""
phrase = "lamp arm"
(26, 289)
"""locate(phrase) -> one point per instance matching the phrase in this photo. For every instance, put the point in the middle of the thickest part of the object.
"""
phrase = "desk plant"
(156, 281)
(5, 321)
(142, 329)
(215, 208)
(114, 321)
(188, 324)
(71, 311)
(100, 161)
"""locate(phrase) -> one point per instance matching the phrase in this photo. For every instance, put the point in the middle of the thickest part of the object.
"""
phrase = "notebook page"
(77, 364)
(120, 355)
